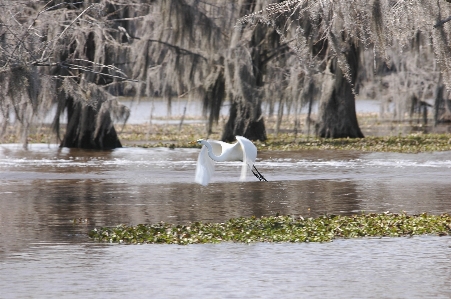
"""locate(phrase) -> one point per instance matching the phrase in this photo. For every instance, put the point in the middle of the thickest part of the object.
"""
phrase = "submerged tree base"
(279, 229)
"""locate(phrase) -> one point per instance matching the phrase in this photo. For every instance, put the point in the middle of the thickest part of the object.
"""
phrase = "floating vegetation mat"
(413, 143)
(279, 229)
(174, 136)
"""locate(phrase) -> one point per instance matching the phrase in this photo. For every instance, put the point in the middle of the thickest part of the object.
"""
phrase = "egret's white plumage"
(213, 150)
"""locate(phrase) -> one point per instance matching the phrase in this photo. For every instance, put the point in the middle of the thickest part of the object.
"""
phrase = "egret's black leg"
(262, 178)
(258, 174)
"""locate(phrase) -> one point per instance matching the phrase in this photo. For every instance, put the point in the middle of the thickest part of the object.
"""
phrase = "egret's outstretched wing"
(217, 146)
(204, 168)
(249, 155)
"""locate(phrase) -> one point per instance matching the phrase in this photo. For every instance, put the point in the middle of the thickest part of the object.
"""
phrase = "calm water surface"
(145, 111)
(51, 197)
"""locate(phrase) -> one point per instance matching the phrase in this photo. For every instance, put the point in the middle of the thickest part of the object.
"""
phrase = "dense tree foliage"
(61, 53)
(331, 38)
(78, 56)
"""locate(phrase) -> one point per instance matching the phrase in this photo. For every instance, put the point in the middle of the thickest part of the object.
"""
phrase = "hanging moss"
(279, 229)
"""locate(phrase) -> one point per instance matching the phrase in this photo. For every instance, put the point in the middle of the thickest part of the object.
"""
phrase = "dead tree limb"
(440, 23)
(178, 49)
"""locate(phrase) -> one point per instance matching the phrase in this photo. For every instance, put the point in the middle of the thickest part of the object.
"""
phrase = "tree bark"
(81, 131)
(246, 70)
(240, 123)
(337, 116)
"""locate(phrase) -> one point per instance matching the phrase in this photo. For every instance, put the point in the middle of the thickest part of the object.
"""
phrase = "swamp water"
(50, 198)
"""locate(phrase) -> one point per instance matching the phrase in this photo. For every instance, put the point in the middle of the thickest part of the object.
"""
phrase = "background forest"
(80, 56)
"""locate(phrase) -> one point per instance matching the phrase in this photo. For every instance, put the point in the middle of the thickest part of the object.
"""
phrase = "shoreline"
(381, 135)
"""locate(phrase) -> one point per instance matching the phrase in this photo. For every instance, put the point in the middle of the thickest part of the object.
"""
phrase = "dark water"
(50, 198)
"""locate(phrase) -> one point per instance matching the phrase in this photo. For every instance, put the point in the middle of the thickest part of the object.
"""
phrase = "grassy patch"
(174, 136)
(279, 229)
(288, 142)
(403, 144)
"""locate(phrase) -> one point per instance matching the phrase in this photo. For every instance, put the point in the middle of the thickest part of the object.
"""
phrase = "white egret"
(214, 150)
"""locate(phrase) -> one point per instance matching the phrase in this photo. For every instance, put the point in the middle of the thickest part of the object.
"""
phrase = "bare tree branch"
(440, 23)
(178, 49)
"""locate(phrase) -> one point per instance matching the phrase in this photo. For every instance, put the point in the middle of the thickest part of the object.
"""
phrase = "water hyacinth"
(279, 229)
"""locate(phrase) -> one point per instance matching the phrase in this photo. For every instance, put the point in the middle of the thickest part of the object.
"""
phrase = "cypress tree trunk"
(337, 116)
(439, 101)
(240, 122)
(244, 71)
(81, 131)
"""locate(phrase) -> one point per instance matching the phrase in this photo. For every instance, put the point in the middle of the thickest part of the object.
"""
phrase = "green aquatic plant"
(174, 136)
(278, 229)
(404, 144)
(413, 143)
